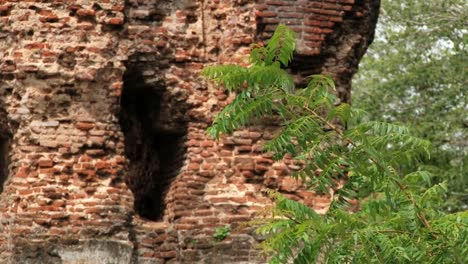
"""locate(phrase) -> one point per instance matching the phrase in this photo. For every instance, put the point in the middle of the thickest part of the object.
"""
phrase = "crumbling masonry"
(103, 151)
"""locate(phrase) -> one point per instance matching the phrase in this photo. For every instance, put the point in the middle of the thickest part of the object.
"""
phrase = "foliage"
(415, 73)
(399, 220)
(222, 232)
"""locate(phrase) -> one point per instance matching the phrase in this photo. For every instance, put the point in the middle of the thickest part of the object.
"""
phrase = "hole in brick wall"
(4, 159)
(192, 18)
(154, 140)
(5, 142)
(97, 7)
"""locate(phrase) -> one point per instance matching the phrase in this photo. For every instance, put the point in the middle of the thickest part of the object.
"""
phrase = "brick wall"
(106, 111)
(60, 76)
(312, 20)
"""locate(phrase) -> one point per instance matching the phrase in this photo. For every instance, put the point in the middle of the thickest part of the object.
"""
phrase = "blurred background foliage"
(416, 73)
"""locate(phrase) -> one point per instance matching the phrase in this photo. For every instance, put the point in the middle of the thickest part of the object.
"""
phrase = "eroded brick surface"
(103, 116)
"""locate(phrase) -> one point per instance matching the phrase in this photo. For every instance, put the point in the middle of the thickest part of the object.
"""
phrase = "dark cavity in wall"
(4, 159)
(5, 142)
(155, 134)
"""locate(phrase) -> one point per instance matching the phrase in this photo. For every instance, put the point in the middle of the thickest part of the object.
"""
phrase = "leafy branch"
(396, 216)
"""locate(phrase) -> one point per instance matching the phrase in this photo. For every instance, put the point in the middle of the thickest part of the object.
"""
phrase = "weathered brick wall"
(60, 80)
(330, 34)
(103, 116)
(312, 20)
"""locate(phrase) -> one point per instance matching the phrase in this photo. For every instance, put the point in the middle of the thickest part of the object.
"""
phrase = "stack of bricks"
(104, 114)
(312, 20)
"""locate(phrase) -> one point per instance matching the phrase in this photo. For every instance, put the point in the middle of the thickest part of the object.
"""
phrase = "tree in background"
(416, 73)
(399, 219)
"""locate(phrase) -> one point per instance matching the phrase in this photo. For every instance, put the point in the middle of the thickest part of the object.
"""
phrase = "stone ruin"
(103, 152)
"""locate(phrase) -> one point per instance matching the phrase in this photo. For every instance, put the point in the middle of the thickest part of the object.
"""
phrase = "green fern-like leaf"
(297, 130)
(281, 46)
(240, 112)
(343, 112)
(270, 76)
(232, 77)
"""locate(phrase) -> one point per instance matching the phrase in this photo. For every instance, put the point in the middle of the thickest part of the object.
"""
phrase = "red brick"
(84, 126)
